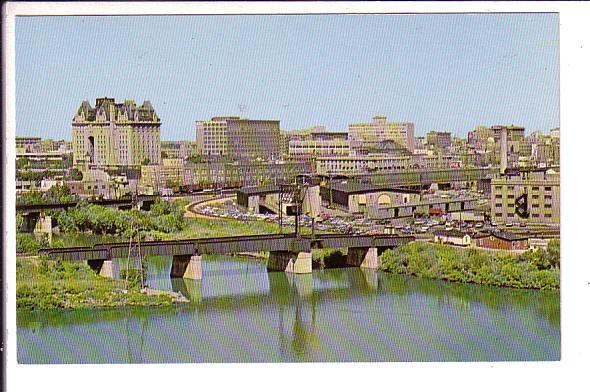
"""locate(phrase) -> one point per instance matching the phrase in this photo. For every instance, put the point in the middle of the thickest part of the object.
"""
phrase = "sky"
(441, 72)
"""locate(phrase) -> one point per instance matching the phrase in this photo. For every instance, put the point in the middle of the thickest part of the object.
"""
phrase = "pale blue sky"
(443, 72)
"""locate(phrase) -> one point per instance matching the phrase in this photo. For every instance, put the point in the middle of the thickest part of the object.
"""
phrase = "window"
(547, 205)
(535, 196)
(498, 214)
(547, 197)
(535, 206)
(510, 205)
(535, 188)
(547, 215)
(535, 215)
(511, 196)
(498, 205)
(547, 189)
(510, 215)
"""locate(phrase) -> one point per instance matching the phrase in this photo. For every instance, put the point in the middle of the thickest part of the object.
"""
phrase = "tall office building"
(116, 134)
(371, 137)
(238, 138)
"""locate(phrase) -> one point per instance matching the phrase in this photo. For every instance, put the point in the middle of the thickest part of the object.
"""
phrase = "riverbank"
(43, 284)
(530, 270)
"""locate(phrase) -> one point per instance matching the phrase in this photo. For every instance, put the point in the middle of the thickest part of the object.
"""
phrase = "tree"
(75, 174)
(553, 252)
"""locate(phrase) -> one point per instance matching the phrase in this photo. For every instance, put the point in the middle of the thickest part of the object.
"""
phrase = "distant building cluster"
(116, 150)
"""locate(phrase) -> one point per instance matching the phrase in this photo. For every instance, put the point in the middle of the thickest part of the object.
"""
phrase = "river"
(239, 312)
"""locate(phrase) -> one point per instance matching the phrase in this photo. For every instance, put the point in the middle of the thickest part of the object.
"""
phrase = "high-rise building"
(116, 134)
(239, 138)
(372, 136)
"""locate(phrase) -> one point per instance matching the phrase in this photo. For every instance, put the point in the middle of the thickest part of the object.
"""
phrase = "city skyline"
(441, 72)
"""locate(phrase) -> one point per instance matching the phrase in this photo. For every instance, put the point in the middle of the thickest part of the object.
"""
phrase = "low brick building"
(502, 240)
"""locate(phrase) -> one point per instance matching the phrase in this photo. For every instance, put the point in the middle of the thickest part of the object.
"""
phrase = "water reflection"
(240, 313)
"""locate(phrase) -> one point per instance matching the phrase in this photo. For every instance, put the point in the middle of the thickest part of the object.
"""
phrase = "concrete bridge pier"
(295, 262)
(43, 227)
(109, 269)
(363, 257)
(105, 268)
(186, 266)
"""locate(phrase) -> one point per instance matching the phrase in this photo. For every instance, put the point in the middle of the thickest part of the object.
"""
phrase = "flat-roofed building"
(239, 138)
(527, 196)
(382, 201)
(370, 136)
(115, 134)
(317, 142)
(354, 165)
(27, 144)
(178, 149)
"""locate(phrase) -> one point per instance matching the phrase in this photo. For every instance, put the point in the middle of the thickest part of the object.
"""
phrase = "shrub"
(530, 270)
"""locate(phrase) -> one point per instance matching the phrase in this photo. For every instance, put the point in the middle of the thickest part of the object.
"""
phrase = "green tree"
(75, 174)
(553, 252)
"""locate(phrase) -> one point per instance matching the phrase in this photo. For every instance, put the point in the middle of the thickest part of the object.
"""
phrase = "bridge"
(143, 200)
(34, 213)
(288, 252)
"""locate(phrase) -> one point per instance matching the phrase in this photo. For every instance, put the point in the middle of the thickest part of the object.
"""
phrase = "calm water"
(241, 313)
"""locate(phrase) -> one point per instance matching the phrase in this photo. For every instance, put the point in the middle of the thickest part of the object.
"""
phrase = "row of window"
(535, 215)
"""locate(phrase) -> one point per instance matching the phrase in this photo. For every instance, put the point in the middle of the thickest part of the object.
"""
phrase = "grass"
(44, 284)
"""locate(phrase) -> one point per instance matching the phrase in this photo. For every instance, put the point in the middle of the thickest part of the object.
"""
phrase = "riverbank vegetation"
(45, 284)
(164, 217)
(532, 269)
(56, 194)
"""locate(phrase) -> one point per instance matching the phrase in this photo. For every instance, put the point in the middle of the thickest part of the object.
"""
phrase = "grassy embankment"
(531, 270)
(43, 284)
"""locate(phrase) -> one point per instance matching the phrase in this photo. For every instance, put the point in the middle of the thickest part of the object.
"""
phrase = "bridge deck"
(225, 245)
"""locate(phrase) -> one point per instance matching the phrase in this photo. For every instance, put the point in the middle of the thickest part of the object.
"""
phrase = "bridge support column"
(363, 257)
(109, 269)
(43, 227)
(298, 263)
(186, 266)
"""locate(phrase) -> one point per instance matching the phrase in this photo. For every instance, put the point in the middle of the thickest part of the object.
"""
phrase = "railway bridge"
(287, 252)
